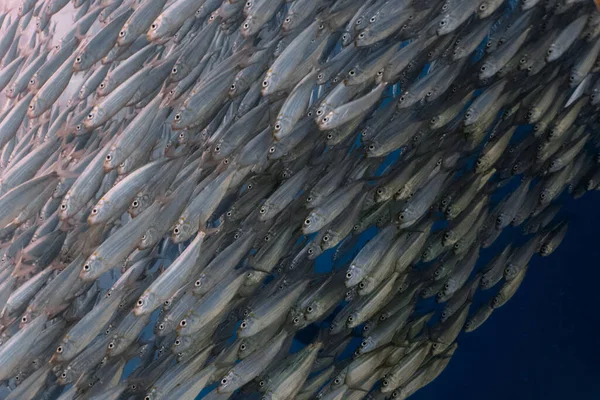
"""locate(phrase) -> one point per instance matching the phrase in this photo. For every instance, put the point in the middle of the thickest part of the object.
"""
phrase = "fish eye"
(277, 127)
(443, 22)
(348, 275)
(59, 349)
(272, 150)
(325, 119)
(483, 68)
(63, 206)
(372, 19)
(288, 20)
(223, 381)
(550, 51)
(63, 375)
(371, 147)
(153, 26)
(86, 267)
(572, 78)
(361, 35)
(265, 83)
(177, 117)
(352, 72)
(24, 319)
(362, 285)
(296, 320)
(176, 231)
(329, 136)
(78, 59)
(183, 323)
(31, 106)
(243, 325)
(122, 33)
(482, 7)
(177, 342)
(337, 381)
(401, 216)
(246, 25)
(243, 346)
(111, 345)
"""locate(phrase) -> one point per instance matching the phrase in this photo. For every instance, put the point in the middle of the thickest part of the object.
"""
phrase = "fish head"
(238, 86)
(496, 301)
(33, 84)
(158, 29)
(230, 382)
(487, 69)
(511, 271)
(164, 327)
(250, 26)
(67, 376)
(65, 351)
(313, 222)
(354, 275)
(471, 115)
(266, 212)
(276, 152)
(554, 52)
(383, 193)
(373, 148)
(67, 207)
(254, 277)
(297, 320)
(482, 164)
(364, 37)
(103, 89)
(246, 347)
(99, 212)
(438, 348)
(182, 231)
(112, 158)
(139, 204)
(94, 117)
(149, 239)
(269, 83)
(366, 286)
(113, 346)
(182, 343)
(82, 61)
(546, 249)
(546, 196)
(328, 121)
(314, 250)
(290, 22)
(183, 118)
(282, 127)
(407, 217)
(145, 304)
(485, 9)
(33, 110)
(153, 393)
(91, 268)
(595, 97)
(124, 37)
(246, 327)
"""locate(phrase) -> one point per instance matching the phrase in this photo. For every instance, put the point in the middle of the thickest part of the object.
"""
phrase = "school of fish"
(189, 188)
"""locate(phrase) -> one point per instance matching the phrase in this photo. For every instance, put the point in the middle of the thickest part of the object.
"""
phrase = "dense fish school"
(233, 179)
